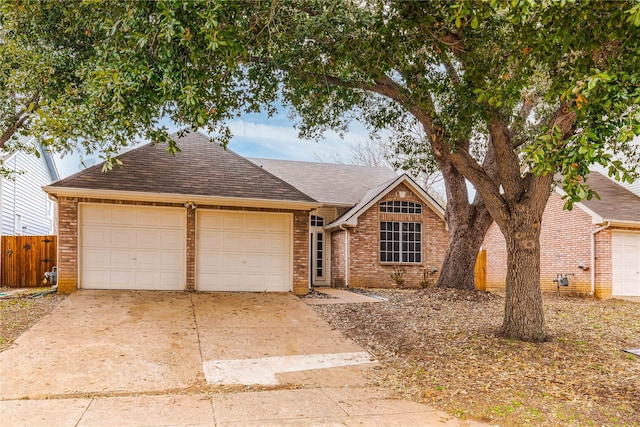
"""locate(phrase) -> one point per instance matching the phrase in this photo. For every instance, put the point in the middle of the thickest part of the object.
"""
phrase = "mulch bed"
(442, 347)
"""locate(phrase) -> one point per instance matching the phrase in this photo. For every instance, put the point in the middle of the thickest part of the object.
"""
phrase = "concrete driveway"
(169, 358)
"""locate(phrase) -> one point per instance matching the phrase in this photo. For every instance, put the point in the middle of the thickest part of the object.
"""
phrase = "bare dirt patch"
(21, 311)
(440, 346)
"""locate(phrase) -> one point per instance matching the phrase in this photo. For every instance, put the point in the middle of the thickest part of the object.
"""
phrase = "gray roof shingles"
(201, 168)
(616, 203)
(331, 184)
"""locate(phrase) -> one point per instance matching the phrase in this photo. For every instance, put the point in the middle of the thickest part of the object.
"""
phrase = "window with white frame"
(400, 242)
(401, 206)
(317, 221)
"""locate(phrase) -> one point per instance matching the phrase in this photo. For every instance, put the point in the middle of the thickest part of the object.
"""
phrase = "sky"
(256, 135)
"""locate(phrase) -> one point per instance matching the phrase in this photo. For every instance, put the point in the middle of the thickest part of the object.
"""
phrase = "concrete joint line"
(263, 370)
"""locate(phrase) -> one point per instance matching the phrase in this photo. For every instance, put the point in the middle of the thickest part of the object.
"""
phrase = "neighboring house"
(597, 244)
(25, 208)
(208, 219)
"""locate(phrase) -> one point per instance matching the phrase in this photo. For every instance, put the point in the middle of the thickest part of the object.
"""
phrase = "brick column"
(301, 252)
(191, 249)
(67, 244)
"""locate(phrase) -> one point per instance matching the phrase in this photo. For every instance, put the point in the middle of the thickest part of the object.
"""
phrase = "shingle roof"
(327, 183)
(201, 168)
(616, 202)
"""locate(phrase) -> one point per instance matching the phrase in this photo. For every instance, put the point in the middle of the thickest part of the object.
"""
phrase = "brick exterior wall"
(338, 258)
(301, 252)
(191, 250)
(68, 241)
(67, 244)
(604, 264)
(365, 267)
(565, 243)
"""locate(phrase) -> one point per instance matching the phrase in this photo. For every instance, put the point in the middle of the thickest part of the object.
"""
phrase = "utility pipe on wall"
(593, 256)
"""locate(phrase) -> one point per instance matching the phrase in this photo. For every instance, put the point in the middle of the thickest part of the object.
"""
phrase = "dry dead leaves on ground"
(21, 311)
(440, 346)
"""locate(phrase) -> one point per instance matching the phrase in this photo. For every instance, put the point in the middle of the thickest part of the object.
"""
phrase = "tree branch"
(20, 119)
(508, 165)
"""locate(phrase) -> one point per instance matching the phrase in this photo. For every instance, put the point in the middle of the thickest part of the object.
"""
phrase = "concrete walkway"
(148, 359)
(339, 296)
(304, 407)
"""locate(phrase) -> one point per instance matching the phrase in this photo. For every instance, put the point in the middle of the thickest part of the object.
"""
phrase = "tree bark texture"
(523, 313)
(466, 234)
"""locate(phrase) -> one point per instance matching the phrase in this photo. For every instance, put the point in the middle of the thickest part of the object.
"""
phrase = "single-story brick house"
(596, 245)
(208, 219)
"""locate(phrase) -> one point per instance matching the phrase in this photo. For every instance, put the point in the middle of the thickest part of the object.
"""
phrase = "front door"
(318, 251)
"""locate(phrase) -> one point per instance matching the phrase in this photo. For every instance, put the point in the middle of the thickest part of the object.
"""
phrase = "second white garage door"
(625, 254)
(132, 247)
(243, 251)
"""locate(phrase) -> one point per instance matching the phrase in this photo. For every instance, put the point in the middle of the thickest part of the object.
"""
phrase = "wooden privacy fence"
(481, 271)
(25, 259)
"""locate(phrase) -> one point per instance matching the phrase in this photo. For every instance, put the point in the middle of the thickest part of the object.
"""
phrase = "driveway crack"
(195, 322)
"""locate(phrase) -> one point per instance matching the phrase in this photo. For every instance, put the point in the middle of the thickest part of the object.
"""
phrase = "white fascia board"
(618, 223)
(179, 198)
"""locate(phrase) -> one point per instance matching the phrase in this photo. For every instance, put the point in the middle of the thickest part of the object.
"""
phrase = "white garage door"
(132, 247)
(626, 263)
(243, 251)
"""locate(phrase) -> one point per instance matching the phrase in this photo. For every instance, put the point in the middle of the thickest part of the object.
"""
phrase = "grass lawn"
(441, 347)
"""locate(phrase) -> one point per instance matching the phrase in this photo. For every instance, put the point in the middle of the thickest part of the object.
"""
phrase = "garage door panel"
(210, 222)
(122, 217)
(232, 262)
(121, 279)
(210, 240)
(233, 222)
(95, 237)
(233, 241)
(257, 223)
(121, 258)
(237, 250)
(256, 243)
(281, 225)
(91, 215)
(625, 253)
(122, 238)
(132, 247)
(97, 257)
(279, 243)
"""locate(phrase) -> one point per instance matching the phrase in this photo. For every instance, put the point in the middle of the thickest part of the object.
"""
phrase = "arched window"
(317, 221)
(400, 206)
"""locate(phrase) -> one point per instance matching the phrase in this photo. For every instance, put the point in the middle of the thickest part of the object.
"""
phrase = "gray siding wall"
(24, 196)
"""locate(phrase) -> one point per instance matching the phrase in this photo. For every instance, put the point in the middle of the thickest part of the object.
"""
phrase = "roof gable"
(201, 168)
(330, 184)
(616, 203)
(350, 218)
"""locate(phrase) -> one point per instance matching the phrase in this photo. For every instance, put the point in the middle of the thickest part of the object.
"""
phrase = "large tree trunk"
(523, 314)
(466, 233)
(468, 223)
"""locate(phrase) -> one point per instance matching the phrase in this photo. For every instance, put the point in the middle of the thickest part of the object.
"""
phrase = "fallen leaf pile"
(442, 347)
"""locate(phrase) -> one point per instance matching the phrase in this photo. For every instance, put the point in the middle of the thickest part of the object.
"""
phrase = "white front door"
(318, 251)
(132, 247)
(244, 251)
(625, 254)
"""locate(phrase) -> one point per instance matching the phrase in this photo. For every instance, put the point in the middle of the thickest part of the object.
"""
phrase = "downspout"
(593, 256)
(346, 255)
